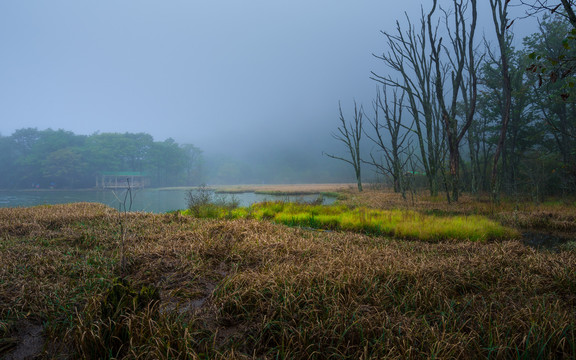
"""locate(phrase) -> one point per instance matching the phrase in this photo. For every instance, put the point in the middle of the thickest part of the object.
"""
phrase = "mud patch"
(29, 341)
(194, 305)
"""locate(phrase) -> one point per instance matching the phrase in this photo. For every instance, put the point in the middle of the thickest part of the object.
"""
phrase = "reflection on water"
(149, 200)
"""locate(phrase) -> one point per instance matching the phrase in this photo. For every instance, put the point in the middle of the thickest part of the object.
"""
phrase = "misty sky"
(226, 75)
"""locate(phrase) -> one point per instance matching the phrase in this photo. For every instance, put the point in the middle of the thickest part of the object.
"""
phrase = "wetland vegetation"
(243, 287)
(461, 256)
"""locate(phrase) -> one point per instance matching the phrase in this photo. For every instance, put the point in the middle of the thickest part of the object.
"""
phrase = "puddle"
(544, 240)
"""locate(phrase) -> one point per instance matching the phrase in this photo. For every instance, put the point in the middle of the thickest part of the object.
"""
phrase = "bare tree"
(392, 162)
(500, 19)
(350, 134)
(409, 57)
(462, 68)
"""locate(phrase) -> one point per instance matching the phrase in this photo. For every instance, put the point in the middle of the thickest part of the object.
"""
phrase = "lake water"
(149, 200)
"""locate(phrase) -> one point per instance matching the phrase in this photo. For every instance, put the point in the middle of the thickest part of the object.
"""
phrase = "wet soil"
(546, 240)
(29, 341)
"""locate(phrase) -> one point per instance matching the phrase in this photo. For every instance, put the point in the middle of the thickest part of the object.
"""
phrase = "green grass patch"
(398, 223)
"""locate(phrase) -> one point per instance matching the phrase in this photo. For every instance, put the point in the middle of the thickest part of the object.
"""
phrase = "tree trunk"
(500, 22)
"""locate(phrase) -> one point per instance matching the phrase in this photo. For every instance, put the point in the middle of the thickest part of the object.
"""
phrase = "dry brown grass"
(247, 289)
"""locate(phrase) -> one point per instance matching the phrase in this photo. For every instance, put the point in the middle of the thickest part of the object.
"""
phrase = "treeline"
(62, 159)
(461, 114)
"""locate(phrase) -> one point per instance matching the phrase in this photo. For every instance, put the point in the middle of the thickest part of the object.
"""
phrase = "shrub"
(203, 204)
(198, 198)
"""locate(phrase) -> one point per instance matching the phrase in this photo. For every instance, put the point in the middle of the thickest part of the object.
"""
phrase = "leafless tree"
(462, 67)
(393, 156)
(408, 56)
(500, 18)
(350, 134)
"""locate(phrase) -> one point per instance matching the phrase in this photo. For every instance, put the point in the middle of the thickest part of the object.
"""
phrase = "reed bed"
(244, 289)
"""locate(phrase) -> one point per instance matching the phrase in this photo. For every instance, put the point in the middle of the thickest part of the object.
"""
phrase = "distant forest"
(61, 159)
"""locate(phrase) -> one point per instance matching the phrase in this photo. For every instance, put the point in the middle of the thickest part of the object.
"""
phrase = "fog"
(254, 82)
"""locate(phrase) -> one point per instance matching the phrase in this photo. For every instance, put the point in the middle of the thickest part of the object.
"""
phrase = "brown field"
(247, 289)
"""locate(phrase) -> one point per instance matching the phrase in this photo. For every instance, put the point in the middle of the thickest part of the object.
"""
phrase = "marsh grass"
(558, 217)
(244, 288)
(399, 223)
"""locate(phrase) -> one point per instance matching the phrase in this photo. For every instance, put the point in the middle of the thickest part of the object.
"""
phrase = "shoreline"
(270, 189)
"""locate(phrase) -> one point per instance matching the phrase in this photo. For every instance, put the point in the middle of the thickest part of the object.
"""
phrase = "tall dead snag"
(408, 56)
(461, 67)
(350, 135)
(394, 157)
(500, 18)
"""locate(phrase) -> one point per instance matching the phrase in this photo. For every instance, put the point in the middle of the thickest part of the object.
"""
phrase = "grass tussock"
(243, 289)
(406, 224)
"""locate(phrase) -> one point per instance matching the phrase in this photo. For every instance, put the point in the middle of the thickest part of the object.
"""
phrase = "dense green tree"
(118, 152)
(555, 101)
(537, 156)
(66, 168)
(49, 158)
(522, 131)
(7, 162)
(166, 160)
(32, 147)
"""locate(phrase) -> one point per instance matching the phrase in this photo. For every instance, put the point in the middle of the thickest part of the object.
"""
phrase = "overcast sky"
(225, 75)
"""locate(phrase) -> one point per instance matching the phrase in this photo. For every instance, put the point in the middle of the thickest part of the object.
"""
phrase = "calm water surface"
(149, 200)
